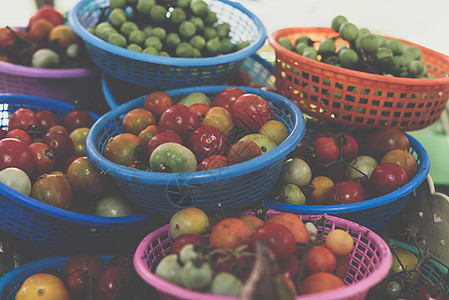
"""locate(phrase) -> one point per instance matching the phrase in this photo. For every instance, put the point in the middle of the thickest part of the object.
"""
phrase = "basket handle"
(107, 92)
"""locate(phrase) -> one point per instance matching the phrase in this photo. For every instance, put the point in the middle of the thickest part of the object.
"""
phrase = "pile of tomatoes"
(218, 257)
(334, 166)
(46, 42)
(87, 276)
(44, 157)
(195, 134)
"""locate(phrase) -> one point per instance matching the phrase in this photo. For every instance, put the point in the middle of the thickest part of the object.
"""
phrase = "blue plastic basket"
(11, 282)
(56, 229)
(170, 72)
(259, 70)
(377, 212)
(234, 187)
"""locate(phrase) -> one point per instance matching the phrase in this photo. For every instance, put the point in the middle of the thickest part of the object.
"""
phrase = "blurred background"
(421, 22)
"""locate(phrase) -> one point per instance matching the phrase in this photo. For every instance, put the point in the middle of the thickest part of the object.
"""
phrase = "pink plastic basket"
(370, 262)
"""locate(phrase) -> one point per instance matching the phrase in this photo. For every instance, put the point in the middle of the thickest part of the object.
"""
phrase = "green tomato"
(198, 42)
(415, 68)
(137, 37)
(45, 58)
(226, 284)
(213, 47)
(413, 51)
(196, 278)
(211, 18)
(128, 27)
(226, 45)
(395, 46)
(150, 50)
(184, 50)
(172, 158)
(134, 47)
(199, 8)
(117, 16)
(337, 22)
(155, 42)
(183, 3)
(173, 40)
(347, 57)
(209, 33)
(295, 171)
(158, 13)
(163, 53)
(160, 33)
(190, 252)
(348, 31)
(265, 143)
(187, 29)
(198, 22)
(145, 6)
(113, 206)
(194, 98)
(117, 39)
(241, 45)
(117, 3)
(78, 137)
(188, 220)
(291, 194)
(327, 46)
(369, 43)
(169, 269)
(223, 29)
(178, 15)
(285, 42)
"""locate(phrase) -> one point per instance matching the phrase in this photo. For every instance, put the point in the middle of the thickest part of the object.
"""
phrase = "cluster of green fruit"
(172, 28)
(364, 51)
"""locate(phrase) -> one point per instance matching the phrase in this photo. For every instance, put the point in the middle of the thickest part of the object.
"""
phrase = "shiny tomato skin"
(20, 134)
(187, 239)
(345, 192)
(77, 119)
(250, 112)
(61, 144)
(320, 259)
(200, 110)
(15, 153)
(278, 238)
(207, 141)
(157, 102)
(23, 118)
(47, 119)
(290, 267)
(213, 162)
(44, 158)
(227, 96)
(162, 138)
(180, 119)
(230, 233)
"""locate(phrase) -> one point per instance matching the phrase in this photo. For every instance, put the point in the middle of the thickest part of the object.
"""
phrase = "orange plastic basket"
(355, 98)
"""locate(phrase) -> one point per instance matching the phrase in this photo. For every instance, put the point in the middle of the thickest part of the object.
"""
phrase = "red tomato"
(207, 141)
(157, 103)
(7, 40)
(326, 150)
(187, 239)
(241, 265)
(60, 143)
(227, 96)
(278, 238)
(213, 162)
(46, 120)
(180, 119)
(200, 110)
(162, 138)
(290, 267)
(250, 111)
(44, 158)
(321, 282)
(320, 259)
(49, 13)
(19, 134)
(345, 192)
(23, 118)
(77, 119)
(15, 153)
(431, 292)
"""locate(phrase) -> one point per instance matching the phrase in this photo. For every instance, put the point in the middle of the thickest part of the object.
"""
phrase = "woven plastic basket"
(259, 70)
(66, 85)
(370, 262)
(431, 269)
(11, 282)
(377, 212)
(170, 72)
(234, 187)
(356, 98)
(47, 226)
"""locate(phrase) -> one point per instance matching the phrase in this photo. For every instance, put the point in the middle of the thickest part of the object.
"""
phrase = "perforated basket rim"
(12, 278)
(274, 37)
(73, 19)
(422, 173)
(51, 211)
(198, 177)
(360, 286)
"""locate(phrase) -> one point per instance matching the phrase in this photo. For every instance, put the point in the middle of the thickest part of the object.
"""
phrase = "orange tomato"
(62, 36)
(339, 242)
(321, 282)
(292, 222)
(43, 286)
(320, 259)
(253, 222)
(230, 233)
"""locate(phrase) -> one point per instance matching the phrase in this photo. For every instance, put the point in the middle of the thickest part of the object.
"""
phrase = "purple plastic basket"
(66, 85)
(370, 262)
